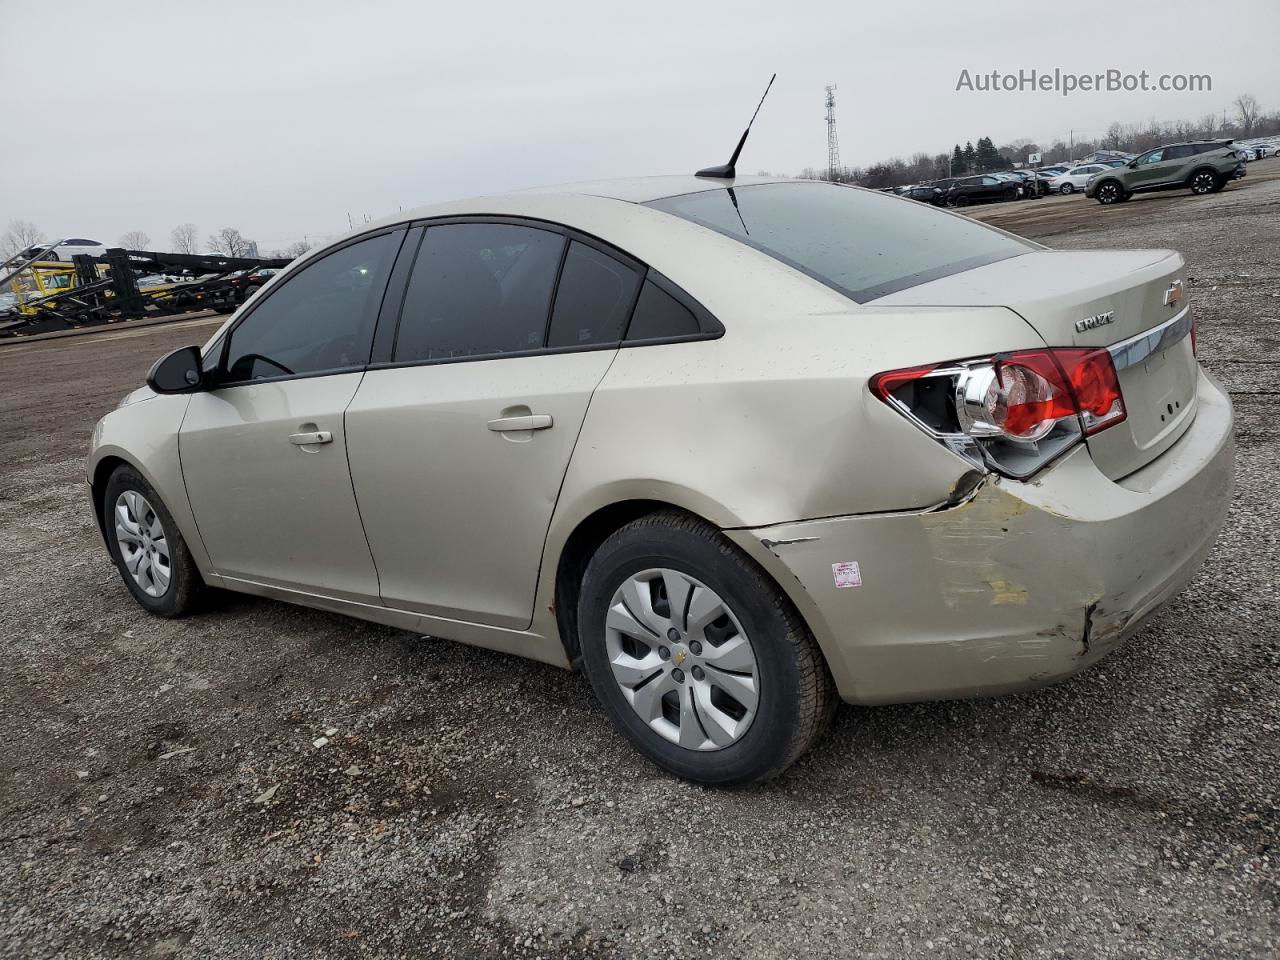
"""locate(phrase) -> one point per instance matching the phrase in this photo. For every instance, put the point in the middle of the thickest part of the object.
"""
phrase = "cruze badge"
(1097, 320)
(1174, 294)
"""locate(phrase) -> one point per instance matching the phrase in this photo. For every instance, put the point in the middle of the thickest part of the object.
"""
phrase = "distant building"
(250, 248)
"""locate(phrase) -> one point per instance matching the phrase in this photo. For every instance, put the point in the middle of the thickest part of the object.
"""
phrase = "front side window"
(478, 289)
(861, 243)
(319, 320)
(1155, 156)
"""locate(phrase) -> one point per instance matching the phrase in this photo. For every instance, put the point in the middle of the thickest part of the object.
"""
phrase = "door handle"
(533, 421)
(306, 439)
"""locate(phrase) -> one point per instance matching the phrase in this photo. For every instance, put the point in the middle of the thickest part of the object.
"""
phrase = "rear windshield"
(861, 243)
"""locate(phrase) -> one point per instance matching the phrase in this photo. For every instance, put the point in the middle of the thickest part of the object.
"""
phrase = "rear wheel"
(1010, 194)
(147, 547)
(1205, 181)
(697, 656)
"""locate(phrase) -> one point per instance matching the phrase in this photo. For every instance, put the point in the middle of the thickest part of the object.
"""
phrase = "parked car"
(641, 427)
(1034, 185)
(984, 188)
(926, 193)
(1077, 178)
(65, 250)
(1203, 166)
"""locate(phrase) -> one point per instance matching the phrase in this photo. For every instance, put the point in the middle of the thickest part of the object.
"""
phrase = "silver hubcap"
(682, 659)
(143, 545)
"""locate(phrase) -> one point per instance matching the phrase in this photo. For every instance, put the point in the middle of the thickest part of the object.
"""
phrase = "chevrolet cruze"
(738, 448)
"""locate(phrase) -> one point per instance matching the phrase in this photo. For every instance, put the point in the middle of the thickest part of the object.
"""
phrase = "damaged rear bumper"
(1021, 585)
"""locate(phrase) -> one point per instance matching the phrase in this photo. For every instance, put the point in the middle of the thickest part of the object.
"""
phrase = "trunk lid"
(1106, 298)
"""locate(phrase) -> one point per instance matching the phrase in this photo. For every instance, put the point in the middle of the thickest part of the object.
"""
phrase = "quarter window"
(593, 299)
(659, 315)
(319, 320)
(478, 289)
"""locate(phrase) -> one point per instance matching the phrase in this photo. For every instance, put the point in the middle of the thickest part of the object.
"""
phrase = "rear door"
(1177, 163)
(460, 437)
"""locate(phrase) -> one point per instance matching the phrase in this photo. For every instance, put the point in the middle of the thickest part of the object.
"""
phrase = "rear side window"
(478, 289)
(319, 320)
(1178, 153)
(593, 299)
(859, 242)
(659, 315)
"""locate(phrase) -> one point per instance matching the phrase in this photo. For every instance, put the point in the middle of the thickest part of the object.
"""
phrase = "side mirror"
(1133, 164)
(179, 372)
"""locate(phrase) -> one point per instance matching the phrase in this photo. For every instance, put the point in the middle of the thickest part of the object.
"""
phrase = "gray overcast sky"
(280, 118)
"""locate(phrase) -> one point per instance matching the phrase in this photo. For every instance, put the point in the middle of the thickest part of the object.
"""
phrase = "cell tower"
(833, 145)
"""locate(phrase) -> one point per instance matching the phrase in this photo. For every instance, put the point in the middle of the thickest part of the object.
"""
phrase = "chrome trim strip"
(1129, 353)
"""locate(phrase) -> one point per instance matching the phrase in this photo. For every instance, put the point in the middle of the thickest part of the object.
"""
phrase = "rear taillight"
(1012, 413)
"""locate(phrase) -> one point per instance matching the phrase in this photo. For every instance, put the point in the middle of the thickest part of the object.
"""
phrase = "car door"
(264, 453)
(1177, 163)
(1148, 171)
(461, 434)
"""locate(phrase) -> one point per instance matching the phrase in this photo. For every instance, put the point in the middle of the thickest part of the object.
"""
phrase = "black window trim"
(384, 347)
(215, 376)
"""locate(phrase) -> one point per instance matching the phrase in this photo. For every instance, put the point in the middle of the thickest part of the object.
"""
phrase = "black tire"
(185, 583)
(1010, 194)
(1067, 188)
(250, 291)
(796, 695)
(962, 200)
(1109, 192)
(1204, 181)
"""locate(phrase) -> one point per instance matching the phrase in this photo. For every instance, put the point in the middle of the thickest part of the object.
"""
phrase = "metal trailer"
(105, 289)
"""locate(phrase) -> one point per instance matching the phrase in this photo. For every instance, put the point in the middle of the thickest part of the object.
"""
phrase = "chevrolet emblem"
(1173, 295)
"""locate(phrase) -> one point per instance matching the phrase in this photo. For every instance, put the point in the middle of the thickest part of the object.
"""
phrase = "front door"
(1148, 172)
(459, 446)
(264, 452)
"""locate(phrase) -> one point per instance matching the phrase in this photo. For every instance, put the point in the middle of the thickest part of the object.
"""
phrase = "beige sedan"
(737, 448)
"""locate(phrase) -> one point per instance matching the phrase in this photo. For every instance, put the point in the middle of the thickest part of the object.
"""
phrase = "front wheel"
(1067, 188)
(147, 547)
(1205, 181)
(697, 656)
(1110, 192)
(961, 201)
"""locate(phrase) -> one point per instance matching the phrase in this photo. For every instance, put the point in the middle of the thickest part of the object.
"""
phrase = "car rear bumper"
(1021, 585)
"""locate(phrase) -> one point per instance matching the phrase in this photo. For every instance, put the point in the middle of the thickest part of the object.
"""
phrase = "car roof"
(644, 189)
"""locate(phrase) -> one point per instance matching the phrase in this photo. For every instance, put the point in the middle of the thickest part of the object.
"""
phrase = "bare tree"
(135, 240)
(228, 242)
(184, 238)
(296, 249)
(20, 235)
(1247, 107)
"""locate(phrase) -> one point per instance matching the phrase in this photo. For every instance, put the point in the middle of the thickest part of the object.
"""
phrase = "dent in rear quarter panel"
(145, 435)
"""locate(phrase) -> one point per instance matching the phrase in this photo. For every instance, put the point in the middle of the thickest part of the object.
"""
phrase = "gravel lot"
(163, 794)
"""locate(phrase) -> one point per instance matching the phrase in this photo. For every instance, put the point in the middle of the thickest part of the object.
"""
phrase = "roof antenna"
(727, 171)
